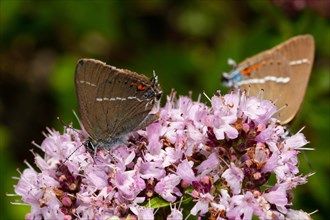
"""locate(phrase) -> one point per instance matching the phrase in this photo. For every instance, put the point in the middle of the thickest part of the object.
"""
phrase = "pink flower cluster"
(231, 160)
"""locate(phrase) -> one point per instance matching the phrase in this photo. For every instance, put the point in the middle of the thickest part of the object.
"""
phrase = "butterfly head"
(231, 79)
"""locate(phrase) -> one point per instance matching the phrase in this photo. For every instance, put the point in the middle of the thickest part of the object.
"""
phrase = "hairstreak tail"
(113, 102)
(282, 72)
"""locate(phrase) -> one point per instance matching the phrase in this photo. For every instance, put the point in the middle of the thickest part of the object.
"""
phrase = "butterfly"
(282, 72)
(113, 102)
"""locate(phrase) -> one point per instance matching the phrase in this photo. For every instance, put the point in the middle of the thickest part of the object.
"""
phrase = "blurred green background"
(187, 43)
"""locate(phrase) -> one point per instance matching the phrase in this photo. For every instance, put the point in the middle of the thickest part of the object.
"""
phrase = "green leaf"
(157, 202)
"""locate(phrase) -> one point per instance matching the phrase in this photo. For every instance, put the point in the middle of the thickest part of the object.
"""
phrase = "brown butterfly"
(113, 102)
(281, 72)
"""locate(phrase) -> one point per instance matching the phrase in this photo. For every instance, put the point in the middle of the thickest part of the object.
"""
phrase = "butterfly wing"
(88, 77)
(113, 102)
(300, 54)
(126, 104)
(283, 73)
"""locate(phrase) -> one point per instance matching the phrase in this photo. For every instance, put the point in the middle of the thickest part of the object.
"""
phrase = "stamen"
(12, 195)
(29, 165)
(20, 203)
(207, 96)
(37, 145)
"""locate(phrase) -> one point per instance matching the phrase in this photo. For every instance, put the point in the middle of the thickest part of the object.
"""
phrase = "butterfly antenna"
(232, 62)
(67, 158)
(77, 131)
(154, 78)
(62, 122)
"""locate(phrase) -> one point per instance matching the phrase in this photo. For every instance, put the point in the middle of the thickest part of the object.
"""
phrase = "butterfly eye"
(89, 145)
(149, 93)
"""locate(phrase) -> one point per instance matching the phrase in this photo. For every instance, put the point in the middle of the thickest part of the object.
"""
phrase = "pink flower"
(214, 160)
(271, 135)
(258, 111)
(154, 133)
(222, 118)
(185, 172)
(129, 184)
(297, 214)
(171, 156)
(176, 214)
(243, 205)
(28, 188)
(210, 164)
(295, 142)
(143, 212)
(151, 169)
(234, 177)
(202, 205)
(166, 187)
(278, 197)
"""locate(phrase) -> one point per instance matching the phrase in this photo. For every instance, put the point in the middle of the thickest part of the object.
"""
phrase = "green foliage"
(157, 202)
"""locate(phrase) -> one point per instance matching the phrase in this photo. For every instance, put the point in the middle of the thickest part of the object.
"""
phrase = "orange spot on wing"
(141, 87)
(248, 70)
